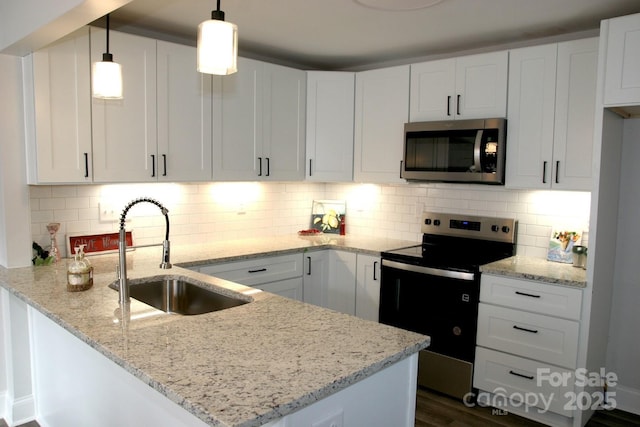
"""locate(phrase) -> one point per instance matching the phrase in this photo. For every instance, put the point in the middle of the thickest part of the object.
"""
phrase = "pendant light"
(107, 75)
(217, 45)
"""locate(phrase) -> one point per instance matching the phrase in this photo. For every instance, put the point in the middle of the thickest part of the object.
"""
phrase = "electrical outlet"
(108, 213)
(335, 420)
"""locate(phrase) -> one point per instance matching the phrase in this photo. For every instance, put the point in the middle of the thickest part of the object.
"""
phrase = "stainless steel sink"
(180, 296)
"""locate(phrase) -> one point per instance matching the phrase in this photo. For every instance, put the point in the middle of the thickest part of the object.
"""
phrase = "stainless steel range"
(434, 288)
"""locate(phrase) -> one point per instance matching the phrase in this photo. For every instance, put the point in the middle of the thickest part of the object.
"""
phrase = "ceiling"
(344, 34)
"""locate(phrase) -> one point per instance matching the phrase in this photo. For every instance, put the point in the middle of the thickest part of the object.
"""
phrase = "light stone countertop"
(209, 363)
(539, 270)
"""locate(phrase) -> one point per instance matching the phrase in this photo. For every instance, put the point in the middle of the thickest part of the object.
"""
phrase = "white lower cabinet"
(329, 280)
(528, 336)
(281, 275)
(367, 287)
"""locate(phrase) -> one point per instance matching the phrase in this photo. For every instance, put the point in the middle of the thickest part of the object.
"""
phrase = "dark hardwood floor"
(437, 410)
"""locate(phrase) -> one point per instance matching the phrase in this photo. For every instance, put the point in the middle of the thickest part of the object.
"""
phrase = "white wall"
(15, 247)
(624, 346)
(221, 211)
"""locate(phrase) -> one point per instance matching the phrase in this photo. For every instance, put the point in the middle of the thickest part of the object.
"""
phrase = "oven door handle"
(429, 270)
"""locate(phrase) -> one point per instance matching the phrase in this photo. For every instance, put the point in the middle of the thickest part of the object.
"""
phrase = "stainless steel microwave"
(455, 151)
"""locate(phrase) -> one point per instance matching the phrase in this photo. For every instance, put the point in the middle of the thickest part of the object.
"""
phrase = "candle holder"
(53, 228)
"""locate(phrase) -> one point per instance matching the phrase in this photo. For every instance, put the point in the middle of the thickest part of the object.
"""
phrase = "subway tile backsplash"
(213, 212)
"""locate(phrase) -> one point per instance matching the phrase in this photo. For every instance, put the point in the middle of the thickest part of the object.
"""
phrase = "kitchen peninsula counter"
(246, 366)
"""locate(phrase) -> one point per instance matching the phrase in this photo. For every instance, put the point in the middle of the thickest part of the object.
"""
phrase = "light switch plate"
(108, 212)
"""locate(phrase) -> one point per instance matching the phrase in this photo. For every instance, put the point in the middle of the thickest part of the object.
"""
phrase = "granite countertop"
(538, 269)
(306, 352)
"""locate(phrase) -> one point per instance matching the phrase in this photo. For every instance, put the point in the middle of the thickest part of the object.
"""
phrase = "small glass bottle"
(343, 226)
(79, 272)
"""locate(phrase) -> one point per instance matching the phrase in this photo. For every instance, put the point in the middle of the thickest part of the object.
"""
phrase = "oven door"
(440, 303)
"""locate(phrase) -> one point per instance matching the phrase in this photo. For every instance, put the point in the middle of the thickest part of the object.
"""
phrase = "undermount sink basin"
(180, 296)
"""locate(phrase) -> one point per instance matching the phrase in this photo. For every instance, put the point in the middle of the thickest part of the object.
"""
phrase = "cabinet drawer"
(257, 271)
(517, 377)
(290, 288)
(539, 337)
(532, 296)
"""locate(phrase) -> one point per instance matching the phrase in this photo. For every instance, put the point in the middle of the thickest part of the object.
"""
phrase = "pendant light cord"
(108, 31)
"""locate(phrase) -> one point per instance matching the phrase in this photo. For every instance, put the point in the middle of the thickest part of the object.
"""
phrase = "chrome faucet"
(122, 247)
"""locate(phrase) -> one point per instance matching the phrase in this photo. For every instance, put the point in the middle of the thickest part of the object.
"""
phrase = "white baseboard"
(627, 399)
(20, 411)
(3, 404)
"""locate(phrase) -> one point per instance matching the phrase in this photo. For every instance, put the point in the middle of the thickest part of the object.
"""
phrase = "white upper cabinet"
(259, 123)
(381, 110)
(622, 67)
(466, 87)
(551, 113)
(184, 115)
(124, 131)
(330, 114)
(59, 112)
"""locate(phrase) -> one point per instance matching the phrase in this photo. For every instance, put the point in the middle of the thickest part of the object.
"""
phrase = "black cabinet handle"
(458, 105)
(309, 260)
(310, 167)
(268, 166)
(260, 166)
(529, 377)
(86, 165)
(520, 328)
(524, 294)
(544, 172)
(375, 266)
(401, 163)
(164, 163)
(260, 270)
(449, 105)
(153, 165)
(557, 171)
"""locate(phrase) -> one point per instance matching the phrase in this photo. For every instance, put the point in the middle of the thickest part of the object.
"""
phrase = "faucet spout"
(124, 297)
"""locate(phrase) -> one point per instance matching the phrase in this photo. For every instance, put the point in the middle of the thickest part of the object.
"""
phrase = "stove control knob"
(505, 229)
(495, 228)
(436, 222)
(427, 221)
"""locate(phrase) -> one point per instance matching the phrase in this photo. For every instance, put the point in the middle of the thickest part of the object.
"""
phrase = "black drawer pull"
(260, 270)
(86, 165)
(533, 331)
(528, 377)
(524, 294)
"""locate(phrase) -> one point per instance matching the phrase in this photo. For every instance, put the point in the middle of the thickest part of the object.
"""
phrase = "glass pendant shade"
(217, 47)
(107, 79)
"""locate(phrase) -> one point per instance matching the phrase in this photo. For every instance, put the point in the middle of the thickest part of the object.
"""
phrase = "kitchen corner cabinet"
(329, 280)
(58, 112)
(367, 287)
(622, 68)
(329, 132)
(259, 123)
(467, 87)
(161, 129)
(551, 113)
(381, 110)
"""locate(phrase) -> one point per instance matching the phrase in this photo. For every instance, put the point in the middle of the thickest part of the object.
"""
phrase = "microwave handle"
(476, 151)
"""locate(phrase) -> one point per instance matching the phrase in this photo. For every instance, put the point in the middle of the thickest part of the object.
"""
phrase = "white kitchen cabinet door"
(532, 83)
(622, 67)
(551, 114)
(283, 150)
(124, 131)
(433, 85)
(341, 292)
(575, 114)
(381, 110)
(481, 85)
(290, 288)
(184, 115)
(329, 145)
(467, 87)
(367, 287)
(59, 112)
(237, 123)
(316, 278)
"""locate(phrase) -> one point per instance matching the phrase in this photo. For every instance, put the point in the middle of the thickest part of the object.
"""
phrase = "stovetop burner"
(459, 242)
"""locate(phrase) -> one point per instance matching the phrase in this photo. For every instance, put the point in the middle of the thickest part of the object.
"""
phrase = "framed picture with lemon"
(326, 215)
